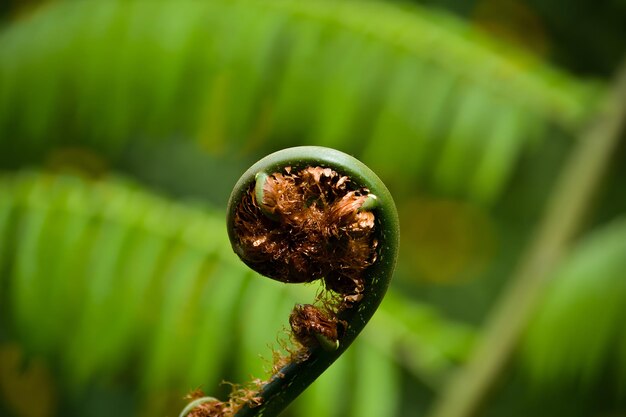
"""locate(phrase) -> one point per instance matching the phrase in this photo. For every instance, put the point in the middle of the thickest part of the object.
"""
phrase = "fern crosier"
(299, 215)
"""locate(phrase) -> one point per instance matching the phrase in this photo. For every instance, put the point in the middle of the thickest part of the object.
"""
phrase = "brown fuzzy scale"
(239, 397)
(209, 409)
(307, 321)
(290, 351)
(309, 226)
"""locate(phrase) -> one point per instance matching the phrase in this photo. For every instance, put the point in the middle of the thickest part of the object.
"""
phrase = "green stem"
(295, 377)
(562, 219)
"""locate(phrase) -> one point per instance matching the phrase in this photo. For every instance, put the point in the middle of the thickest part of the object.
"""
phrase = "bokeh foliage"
(124, 124)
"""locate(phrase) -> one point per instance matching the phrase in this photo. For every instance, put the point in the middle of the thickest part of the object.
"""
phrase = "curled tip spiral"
(312, 213)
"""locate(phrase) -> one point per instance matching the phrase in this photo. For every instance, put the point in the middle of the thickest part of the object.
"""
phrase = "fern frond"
(577, 335)
(406, 89)
(99, 272)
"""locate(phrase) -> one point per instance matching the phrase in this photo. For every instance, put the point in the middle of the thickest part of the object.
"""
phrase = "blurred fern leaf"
(578, 333)
(100, 272)
(406, 89)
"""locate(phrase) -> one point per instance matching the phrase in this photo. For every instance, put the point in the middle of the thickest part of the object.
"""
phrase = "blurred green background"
(495, 124)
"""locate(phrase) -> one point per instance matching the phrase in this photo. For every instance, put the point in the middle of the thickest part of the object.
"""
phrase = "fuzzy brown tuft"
(307, 321)
(309, 226)
(239, 396)
(209, 409)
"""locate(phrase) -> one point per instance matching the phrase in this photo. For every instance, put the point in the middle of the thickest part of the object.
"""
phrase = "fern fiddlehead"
(299, 215)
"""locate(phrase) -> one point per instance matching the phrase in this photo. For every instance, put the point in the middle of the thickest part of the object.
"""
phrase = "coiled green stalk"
(293, 378)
